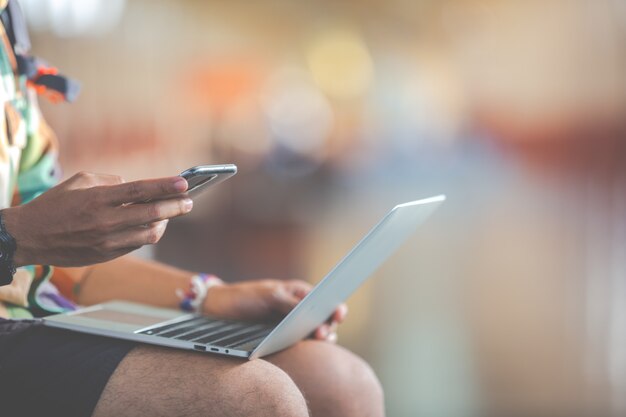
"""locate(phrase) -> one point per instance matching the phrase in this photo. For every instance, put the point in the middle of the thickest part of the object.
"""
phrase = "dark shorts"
(50, 372)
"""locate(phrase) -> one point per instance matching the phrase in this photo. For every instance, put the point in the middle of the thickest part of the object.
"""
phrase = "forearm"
(132, 279)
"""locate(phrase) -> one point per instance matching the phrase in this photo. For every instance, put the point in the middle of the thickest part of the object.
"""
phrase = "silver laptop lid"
(365, 258)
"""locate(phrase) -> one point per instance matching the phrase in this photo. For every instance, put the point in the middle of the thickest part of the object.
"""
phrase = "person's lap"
(45, 370)
(72, 372)
(310, 378)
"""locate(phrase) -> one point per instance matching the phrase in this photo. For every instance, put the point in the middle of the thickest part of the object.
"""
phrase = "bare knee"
(356, 391)
(266, 390)
(333, 380)
(162, 382)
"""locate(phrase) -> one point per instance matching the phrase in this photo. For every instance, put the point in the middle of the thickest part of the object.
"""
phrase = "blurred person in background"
(87, 222)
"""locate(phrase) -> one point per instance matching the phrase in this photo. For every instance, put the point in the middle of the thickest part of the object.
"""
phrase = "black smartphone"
(201, 177)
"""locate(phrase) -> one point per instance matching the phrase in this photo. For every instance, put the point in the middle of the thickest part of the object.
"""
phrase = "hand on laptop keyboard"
(267, 300)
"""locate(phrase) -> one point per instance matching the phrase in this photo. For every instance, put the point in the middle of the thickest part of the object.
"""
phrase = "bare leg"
(165, 382)
(155, 382)
(334, 381)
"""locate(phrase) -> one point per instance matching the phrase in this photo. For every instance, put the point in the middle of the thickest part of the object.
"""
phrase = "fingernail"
(187, 205)
(323, 332)
(180, 185)
(162, 225)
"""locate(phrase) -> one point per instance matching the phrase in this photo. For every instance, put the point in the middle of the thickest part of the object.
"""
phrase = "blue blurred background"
(511, 301)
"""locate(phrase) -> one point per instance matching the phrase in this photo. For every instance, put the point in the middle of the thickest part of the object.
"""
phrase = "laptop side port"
(201, 348)
(215, 349)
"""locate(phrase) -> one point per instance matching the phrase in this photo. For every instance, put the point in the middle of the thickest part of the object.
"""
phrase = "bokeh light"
(299, 117)
(340, 63)
(71, 18)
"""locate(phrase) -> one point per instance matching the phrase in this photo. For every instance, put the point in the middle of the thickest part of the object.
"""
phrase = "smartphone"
(201, 177)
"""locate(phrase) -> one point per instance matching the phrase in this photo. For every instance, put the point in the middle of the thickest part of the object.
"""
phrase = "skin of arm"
(154, 283)
(132, 279)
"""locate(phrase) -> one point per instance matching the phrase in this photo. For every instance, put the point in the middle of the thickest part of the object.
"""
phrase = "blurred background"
(511, 300)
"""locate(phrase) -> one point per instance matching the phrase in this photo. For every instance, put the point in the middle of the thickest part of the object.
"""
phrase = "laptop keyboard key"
(261, 334)
(249, 346)
(201, 331)
(234, 337)
(216, 335)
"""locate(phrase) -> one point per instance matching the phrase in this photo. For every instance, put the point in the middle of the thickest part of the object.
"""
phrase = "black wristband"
(7, 250)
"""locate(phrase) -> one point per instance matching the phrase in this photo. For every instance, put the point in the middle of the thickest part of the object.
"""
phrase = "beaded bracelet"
(193, 298)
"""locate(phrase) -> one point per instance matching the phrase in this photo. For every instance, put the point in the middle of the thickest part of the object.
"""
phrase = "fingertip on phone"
(180, 184)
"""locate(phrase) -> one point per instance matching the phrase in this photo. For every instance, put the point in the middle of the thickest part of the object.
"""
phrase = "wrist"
(13, 226)
(194, 298)
(213, 302)
(7, 252)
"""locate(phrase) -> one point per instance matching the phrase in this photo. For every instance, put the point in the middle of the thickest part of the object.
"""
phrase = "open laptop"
(173, 328)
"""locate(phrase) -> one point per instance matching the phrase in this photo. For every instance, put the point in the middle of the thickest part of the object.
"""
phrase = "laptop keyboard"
(228, 334)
